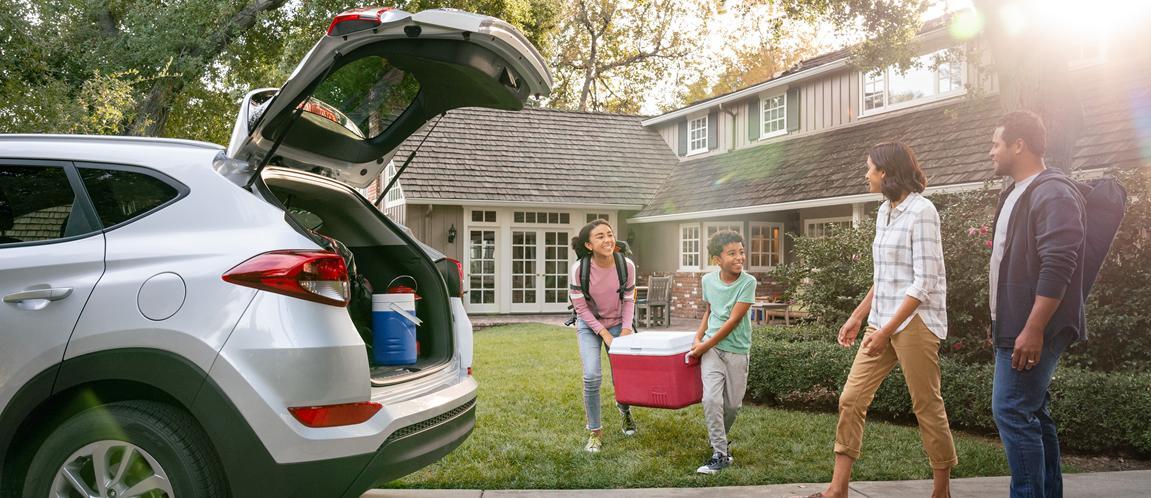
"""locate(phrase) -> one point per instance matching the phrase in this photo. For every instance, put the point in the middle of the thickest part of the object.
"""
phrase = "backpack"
(1104, 203)
(585, 284)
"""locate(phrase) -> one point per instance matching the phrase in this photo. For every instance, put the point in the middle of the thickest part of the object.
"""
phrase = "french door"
(540, 261)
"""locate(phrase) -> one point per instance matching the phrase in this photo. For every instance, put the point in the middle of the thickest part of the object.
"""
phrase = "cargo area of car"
(380, 258)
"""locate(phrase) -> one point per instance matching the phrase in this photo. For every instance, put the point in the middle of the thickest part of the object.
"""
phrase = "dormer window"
(773, 115)
(888, 89)
(697, 135)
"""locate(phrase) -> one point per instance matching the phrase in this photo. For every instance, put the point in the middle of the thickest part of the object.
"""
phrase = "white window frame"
(701, 121)
(768, 225)
(395, 196)
(886, 74)
(1085, 62)
(810, 222)
(763, 100)
(698, 243)
(704, 237)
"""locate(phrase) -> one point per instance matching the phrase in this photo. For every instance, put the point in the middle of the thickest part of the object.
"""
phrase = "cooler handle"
(688, 359)
(404, 313)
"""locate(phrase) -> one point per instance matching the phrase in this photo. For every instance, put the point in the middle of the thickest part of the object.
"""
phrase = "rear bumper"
(415, 447)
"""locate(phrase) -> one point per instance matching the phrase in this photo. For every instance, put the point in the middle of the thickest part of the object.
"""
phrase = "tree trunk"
(1032, 71)
(152, 112)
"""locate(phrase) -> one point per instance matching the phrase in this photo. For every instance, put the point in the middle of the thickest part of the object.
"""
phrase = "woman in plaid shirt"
(906, 318)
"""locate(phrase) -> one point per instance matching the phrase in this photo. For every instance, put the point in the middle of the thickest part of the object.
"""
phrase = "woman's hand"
(626, 332)
(875, 343)
(849, 331)
(606, 336)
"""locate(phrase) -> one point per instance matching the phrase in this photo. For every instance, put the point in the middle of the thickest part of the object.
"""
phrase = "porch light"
(452, 234)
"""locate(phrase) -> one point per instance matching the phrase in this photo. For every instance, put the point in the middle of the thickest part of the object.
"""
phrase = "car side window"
(119, 195)
(36, 204)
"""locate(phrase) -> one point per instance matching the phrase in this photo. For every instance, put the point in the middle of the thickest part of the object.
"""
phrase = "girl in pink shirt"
(606, 312)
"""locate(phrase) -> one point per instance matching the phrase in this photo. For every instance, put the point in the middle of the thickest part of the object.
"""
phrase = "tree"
(610, 51)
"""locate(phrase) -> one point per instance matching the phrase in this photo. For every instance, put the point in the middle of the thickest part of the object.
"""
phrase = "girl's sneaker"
(716, 463)
(594, 444)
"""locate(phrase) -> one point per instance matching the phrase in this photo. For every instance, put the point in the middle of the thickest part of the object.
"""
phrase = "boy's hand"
(875, 343)
(695, 351)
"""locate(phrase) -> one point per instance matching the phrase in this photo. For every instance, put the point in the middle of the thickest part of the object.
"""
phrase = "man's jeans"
(589, 352)
(1019, 402)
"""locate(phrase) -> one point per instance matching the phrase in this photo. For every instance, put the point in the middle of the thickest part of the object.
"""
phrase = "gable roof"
(950, 140)
(536, 156)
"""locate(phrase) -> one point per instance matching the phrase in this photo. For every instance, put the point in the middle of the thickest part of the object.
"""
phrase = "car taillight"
(335, 415)
(317, 276)
(460, 272)
(350, 21)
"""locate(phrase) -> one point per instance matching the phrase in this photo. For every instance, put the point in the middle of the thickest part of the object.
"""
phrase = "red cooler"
(648, 369)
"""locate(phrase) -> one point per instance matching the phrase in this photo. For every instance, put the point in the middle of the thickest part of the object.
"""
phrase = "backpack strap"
(621, 272)
(585, 277)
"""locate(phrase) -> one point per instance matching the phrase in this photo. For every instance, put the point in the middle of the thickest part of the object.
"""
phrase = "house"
(785, 156)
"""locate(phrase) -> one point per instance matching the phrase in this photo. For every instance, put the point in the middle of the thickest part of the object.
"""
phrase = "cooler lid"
(653, 343)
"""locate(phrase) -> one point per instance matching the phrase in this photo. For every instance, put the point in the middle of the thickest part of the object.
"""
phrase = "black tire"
(168, 436)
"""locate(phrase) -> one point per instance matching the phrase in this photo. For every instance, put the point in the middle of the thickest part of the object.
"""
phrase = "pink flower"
(988, 243)
(971, 232)
(957, 346)
(984, 230)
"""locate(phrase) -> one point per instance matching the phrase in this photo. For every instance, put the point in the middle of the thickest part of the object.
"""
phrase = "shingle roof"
(537, 155)
(951, 142)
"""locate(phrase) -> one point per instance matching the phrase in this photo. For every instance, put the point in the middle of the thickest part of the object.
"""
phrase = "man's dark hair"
(722, 238)
(902, 174)
(1025, 125)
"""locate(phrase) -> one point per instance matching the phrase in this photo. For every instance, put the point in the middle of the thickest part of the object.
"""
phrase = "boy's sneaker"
(716, 463)
(594, 444)
(628, 423)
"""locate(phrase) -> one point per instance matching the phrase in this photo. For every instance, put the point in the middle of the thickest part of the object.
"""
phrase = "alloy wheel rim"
(111, 469)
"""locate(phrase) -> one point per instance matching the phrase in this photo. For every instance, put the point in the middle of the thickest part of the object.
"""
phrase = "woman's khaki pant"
(916, 350)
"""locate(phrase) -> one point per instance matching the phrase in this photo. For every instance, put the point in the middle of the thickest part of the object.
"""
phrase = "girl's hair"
(579, 242)
(902, 172)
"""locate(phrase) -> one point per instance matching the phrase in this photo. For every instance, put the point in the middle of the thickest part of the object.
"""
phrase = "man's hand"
(990, 339)
(1028, 349)
(849, 331)
(875, 343)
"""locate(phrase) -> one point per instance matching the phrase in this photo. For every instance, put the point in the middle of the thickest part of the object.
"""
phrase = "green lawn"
(529, 433)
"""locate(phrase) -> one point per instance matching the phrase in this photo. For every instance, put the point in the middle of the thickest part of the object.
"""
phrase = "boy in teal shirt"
(723, 343)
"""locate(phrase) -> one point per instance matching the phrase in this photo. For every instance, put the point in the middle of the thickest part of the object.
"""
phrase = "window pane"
(774, 113)
(916, 83)
(35, 204)
(873, 91)
(362, 98)
(120, 196)
(477, 216)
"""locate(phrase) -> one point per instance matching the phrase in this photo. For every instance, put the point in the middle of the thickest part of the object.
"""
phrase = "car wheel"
(131, 448)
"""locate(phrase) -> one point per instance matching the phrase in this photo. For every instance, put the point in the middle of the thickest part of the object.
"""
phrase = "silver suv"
(184, 320)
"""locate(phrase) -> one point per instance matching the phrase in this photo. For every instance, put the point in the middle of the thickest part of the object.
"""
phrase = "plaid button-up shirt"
(908, 255)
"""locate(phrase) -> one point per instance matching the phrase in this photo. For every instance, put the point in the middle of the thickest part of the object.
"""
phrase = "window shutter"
(712, 130)
(682, 138)
(792, 109)
(753, 120)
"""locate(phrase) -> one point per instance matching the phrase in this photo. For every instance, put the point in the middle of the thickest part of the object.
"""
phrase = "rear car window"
(363, 97)
(35, 204)
(120, 196)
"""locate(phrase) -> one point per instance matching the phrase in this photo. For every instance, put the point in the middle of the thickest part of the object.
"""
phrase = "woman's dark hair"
(902, 172)
(579, 242)
(722, 238)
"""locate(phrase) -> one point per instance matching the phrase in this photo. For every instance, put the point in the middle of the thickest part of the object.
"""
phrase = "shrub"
(1096, 411)
(831, 274)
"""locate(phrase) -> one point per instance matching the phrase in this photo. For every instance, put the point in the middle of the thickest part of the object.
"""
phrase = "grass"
(529, 434)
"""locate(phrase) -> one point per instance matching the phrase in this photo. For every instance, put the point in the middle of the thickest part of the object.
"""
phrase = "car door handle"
(50, 294)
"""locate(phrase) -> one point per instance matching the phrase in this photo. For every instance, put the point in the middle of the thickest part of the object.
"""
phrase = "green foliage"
(830, 275)
(1096, 411)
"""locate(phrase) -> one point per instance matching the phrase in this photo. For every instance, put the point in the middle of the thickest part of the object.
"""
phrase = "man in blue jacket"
(1036, 291)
